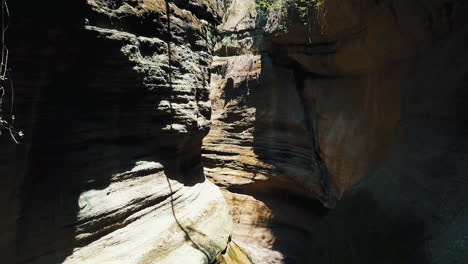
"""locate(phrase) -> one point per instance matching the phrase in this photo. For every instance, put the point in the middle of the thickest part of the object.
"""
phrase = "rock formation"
(307, 107)
(334, 136)
(113, 97)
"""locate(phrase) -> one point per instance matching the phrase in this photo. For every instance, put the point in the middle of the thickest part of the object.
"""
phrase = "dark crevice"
(311, 124)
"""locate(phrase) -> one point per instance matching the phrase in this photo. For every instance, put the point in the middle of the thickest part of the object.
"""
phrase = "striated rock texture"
(113, 97)
(258, 149)
(271, 207)
(350, 61)
(308, 107)
(413, 208)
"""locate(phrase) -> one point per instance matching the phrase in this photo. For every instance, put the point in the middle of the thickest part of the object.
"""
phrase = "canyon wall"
(351, 60)
(358, 107)
(412, 207)
(113, 99)
(304, 108)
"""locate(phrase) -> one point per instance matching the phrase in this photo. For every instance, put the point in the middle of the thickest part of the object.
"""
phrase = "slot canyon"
(234, 132)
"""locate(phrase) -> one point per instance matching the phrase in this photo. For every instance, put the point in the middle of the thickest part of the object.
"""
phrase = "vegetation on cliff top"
(301, 8)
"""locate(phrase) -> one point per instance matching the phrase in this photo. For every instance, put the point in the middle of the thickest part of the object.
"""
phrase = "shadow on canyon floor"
(368, 234)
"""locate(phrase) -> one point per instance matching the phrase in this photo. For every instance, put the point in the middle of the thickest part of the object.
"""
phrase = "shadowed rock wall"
(113, 97)
(309, 107)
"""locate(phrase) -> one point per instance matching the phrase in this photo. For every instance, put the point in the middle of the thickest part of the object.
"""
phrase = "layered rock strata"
(307, 107)
(113, 97)
(264, 160)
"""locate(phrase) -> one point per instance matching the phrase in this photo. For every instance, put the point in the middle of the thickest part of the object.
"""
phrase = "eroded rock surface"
(351, 60)
(264, 160)
(113, 97)
(413, 208)
(314, 105)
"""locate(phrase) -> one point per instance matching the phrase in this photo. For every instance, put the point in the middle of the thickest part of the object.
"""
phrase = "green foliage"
(282, 7)
(229, 44)
(226, 41)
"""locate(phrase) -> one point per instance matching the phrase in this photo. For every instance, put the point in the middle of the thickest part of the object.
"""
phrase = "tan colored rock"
(325, 110)
(352, 58)
(148, 219)
(234, 254)
(259, 189)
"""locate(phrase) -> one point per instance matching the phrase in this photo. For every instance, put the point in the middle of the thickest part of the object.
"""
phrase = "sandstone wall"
(113, 97)
(309, 110)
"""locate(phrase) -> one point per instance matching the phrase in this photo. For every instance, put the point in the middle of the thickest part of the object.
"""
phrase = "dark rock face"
(413, 208)
(388, 103)
(351, 66)
(352, 63)
(113, 98)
